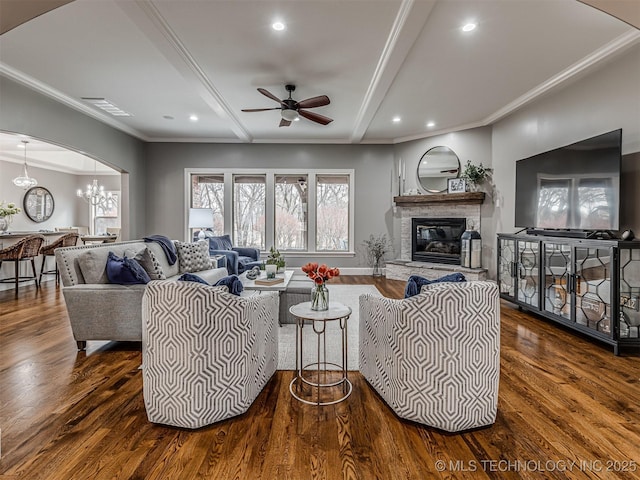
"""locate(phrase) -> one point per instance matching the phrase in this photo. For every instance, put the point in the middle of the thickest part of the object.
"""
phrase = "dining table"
(106, 238)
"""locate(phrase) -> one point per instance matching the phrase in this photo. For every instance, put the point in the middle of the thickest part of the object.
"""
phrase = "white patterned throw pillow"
(193, 257)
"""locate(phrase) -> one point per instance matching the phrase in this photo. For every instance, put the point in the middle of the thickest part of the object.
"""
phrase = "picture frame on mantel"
(456, 185)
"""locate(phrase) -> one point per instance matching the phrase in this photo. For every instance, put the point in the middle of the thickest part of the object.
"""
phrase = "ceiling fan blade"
(259, 109)
(313, 102)
(284, 123)
(267, 93)
(315, 117)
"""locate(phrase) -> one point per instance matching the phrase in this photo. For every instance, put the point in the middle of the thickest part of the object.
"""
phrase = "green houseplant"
(276, 258)
(376, 248)
(474, 175)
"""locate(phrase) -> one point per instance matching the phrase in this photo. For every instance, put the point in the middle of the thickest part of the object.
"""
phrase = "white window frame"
(270, 174)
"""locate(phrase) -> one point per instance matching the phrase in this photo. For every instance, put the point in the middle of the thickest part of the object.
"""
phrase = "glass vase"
(4, 223)
(319, 297)
(377, 270)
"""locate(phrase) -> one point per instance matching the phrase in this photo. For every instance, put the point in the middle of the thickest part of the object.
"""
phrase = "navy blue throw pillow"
(232, 282)
(190, 277)
(125, 271)
(415, 282)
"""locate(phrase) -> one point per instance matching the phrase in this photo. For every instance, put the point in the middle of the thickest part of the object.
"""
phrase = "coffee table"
(278, 287)
(318, 320)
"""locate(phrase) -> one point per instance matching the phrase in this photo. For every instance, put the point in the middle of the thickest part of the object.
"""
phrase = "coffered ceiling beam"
(409, 22)
(154, 26)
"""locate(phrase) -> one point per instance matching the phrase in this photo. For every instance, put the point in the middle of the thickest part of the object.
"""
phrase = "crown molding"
(614, 47)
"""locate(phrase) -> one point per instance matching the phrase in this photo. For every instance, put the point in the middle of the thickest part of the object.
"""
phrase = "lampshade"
(290, 115)
(200, 218)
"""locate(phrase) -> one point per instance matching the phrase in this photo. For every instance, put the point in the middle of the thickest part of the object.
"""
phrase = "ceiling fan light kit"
(292, 110)
(289, 115)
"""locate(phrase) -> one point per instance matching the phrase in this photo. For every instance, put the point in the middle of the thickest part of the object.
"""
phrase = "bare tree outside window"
(291, 212)
(332, 212)
(249, 193)
(207, 191)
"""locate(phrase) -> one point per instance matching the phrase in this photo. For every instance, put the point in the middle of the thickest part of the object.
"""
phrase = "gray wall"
(67, 211)
(372, 165)
(30, 113)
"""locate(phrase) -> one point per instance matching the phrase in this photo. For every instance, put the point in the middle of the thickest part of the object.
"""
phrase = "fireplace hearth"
(437, 240)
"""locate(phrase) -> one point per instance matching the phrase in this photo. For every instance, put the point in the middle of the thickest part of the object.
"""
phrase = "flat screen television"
(576, 187)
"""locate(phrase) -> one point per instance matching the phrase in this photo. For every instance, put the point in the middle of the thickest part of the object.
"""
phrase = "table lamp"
(201, 218)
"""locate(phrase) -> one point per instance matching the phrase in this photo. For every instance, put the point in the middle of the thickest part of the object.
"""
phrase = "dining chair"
(25, 250)
(67, 240)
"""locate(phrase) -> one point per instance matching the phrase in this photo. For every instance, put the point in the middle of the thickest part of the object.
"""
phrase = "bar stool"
(67, 240)
(26, 249)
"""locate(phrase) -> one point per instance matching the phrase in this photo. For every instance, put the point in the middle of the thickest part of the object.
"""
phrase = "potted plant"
(377, 247)
(276, 258)
(6, 215)
(474, 175)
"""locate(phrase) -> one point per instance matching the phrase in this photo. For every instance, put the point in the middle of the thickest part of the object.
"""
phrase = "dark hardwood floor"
(68, 414)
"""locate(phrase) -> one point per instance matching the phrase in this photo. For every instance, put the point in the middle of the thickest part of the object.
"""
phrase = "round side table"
(318, 320)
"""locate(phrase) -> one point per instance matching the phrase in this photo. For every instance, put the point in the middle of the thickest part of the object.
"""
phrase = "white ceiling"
(374, 59)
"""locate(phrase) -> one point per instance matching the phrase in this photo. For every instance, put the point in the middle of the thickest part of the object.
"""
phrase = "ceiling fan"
(290, 109)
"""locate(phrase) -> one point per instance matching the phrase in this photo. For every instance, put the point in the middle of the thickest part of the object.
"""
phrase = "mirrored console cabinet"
(592, 286)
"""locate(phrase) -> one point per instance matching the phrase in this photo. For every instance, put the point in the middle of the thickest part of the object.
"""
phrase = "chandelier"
(25, 181)
(95, 195)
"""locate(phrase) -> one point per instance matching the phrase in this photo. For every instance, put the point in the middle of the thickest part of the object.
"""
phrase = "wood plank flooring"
(80, 415)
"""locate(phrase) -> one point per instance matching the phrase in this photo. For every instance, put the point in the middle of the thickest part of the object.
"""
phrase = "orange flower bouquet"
(319, 292)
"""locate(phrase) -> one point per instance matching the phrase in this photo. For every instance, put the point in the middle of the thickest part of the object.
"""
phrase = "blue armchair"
(238, 258)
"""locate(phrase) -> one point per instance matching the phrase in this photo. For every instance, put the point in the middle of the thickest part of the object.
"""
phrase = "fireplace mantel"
(466, 198)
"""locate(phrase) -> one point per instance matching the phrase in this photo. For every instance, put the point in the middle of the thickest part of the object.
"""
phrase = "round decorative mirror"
(436, 167)
(38, 204)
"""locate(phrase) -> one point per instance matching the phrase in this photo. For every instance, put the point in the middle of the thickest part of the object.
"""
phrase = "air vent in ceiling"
(107, 106)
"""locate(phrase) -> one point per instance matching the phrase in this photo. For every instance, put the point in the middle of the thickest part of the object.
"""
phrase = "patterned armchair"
(206, 354)
(435, 357)
(238, 258)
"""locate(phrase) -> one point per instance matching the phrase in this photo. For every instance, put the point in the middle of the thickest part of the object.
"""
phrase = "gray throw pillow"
(193, 257)
(147, 260)
(93, 265)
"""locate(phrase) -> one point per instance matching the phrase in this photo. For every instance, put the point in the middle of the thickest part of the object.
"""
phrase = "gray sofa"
(99, 310)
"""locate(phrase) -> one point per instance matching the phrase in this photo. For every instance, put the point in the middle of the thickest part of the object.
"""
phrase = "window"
(107, 215)
(332, 220)
(291, 212)
(249, 194)
(207, 191)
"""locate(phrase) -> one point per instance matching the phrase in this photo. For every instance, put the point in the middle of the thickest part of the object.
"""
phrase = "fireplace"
(437, 240)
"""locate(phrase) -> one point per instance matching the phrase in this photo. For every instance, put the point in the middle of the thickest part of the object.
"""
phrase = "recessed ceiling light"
(431, 124)
(396, 119)
(469, 27)
(278, 26)
(193, 118)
